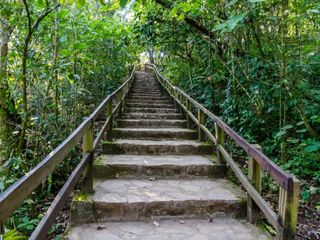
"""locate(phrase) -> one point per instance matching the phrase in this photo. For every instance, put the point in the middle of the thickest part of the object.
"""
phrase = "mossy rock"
(81, 208)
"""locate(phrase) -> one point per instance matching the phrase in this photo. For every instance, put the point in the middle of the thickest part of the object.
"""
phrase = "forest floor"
(309, 221)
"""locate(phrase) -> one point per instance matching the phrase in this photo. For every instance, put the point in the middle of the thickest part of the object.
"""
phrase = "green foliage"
(14, 235)
(258, 69)
(80, 53)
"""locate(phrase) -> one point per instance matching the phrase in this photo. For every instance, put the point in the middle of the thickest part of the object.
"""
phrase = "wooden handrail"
(11, 199)
(285, 221)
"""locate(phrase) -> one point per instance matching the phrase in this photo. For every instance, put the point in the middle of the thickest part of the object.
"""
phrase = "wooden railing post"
(87, 147)
(201, 121)
(119, 99)
(254, 176)
(189, 110)
(176, 96)
(220, 141)
(288, 209)
(180, 100)
(109, 115)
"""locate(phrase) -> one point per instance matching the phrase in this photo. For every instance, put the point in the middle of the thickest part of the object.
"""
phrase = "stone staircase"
(154, 180)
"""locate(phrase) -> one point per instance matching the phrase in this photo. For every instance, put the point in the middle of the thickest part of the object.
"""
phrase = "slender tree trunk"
(31, 27)
(25, 118)
(150, 52)
(53, 81)
(4, 114)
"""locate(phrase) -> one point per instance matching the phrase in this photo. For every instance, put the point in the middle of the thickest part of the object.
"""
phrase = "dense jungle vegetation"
(255, 63)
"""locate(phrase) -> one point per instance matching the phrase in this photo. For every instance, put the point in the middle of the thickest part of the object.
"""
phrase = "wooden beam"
(220, 140)
(262, 204)
(201, 121)
(254, 176)
(43, 227)
(288, 210)
(16, 193)
(86, 149)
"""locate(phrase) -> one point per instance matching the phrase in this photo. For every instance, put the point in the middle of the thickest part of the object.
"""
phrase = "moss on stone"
(82, 197)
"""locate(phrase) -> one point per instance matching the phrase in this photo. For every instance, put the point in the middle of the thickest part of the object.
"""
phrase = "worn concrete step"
(150, 105)
(150, 110)
(154, 133)
(146, 147)
(133, 199)
(159, 167)
(153, 116)
(149, 98)
(175, 229)
(149, 87)
(142, 85)
(149, 91)
(146, 95)
(150, 123)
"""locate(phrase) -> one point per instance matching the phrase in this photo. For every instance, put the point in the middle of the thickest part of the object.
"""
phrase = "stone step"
(150, 110)
(154, 133)
(151, 147)
(159, 167)
(150, 105)
(148, 98)
(153, 116)
(138, 200)
(146, 95)
(145, 88)
(149, 91)
(174, 229)
(145, 123)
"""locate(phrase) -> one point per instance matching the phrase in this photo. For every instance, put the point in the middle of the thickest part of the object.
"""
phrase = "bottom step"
(138, 200)
(217, 229)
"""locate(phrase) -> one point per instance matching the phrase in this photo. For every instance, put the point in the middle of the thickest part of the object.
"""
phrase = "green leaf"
(210, 2)
(281, 133)
(233, 21)
(287, 127)
(256, 1)
(314, 147)
(63, 38)
(173, 12)
(81, 3)
(231, 3)
(230, 24)
(123, 3)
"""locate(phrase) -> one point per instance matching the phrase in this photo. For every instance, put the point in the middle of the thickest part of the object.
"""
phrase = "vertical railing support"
(189, 110)
(201, 121)
(220, 141)
(109, 115)
(254, 176)
(119, 100)
(288, 209)
(176, 96)
(87, 147)
(181, 102)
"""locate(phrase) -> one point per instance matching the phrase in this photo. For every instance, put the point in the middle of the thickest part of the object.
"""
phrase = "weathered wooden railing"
(12, 198)
(284, 222)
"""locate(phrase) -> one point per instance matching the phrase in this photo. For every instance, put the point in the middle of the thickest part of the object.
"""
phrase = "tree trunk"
(4, 114)
(150, 53)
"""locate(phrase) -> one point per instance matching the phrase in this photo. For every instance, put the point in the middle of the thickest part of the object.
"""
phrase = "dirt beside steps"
(154, 180)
